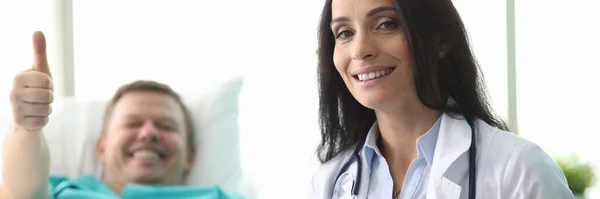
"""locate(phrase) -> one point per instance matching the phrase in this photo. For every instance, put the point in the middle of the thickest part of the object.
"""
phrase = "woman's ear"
(441, 47)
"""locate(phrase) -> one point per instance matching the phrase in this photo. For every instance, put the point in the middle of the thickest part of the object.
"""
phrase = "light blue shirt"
(89, 187)
(415, 183)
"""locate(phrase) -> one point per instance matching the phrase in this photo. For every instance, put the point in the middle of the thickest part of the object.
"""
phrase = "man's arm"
(26, 166)
(26, 157)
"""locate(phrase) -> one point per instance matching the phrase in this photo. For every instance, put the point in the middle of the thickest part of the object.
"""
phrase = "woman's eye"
(388, 25)
(343, 34)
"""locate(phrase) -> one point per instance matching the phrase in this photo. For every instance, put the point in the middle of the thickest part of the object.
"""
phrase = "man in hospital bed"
(145, 148)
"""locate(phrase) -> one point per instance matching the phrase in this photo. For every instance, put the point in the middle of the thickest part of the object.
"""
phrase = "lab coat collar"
(450, 159)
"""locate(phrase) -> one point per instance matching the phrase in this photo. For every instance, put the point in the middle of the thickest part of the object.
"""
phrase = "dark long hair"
(453, 84)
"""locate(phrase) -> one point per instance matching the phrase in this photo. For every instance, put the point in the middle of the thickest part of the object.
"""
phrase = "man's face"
(145, 140)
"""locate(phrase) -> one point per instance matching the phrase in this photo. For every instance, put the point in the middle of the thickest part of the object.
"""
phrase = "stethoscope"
(356, 158)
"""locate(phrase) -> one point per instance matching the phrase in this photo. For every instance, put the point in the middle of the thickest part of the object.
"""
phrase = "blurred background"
(539, 57)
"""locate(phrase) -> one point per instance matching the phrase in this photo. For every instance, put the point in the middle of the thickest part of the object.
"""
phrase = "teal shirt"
(89, 187)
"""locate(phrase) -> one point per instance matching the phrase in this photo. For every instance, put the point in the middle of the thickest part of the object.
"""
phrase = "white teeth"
(146, 154)
(373, 75)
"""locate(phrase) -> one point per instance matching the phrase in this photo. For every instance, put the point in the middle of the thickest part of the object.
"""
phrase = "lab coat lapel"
(449, 162)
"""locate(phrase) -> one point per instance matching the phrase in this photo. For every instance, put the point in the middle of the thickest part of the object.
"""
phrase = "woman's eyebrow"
(380, 9)
(372, 12)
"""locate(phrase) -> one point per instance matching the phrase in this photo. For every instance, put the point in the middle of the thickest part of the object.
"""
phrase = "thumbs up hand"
(32, 92)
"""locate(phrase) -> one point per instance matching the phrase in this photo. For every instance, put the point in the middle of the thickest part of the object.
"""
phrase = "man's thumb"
(39, 53)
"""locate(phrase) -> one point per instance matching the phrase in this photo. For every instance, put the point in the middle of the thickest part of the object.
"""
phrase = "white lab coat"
(508, 167)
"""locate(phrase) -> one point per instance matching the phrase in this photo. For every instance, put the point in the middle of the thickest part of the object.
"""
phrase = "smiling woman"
(402, 94)
(381, 40)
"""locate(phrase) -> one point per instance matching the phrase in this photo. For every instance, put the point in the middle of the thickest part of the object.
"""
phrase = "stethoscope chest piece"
(344, 187)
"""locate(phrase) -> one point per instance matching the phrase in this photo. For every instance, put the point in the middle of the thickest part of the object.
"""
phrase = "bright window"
(558, 45)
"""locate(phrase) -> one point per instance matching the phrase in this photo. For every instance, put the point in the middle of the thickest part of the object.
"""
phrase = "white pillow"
(75, 125)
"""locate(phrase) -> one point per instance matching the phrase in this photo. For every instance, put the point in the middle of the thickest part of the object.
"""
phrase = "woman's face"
(371, 53)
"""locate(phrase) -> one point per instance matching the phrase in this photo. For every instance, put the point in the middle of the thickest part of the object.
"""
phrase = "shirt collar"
(425, 143)
(370, 148)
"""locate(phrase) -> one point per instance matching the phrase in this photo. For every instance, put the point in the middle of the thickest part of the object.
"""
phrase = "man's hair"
(149, 86)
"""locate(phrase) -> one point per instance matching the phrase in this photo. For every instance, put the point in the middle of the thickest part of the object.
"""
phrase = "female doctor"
(403, 111)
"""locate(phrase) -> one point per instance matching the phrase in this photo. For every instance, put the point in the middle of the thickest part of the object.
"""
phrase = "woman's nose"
(364, 47)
